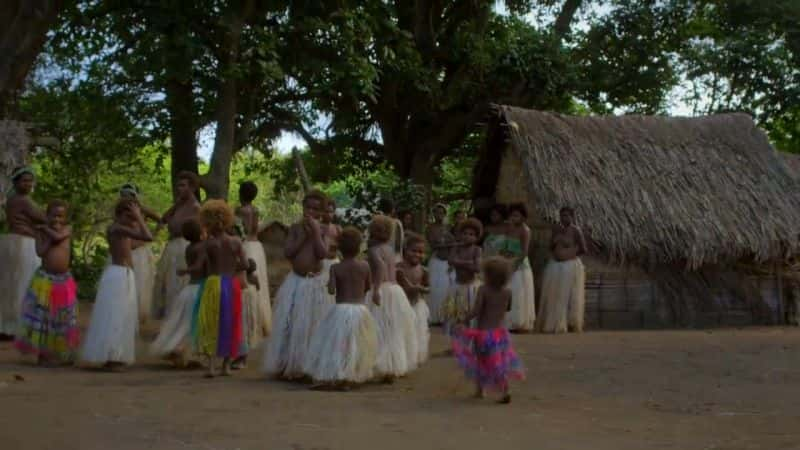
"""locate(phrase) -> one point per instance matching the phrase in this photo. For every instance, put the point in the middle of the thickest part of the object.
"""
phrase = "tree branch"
(564, 21)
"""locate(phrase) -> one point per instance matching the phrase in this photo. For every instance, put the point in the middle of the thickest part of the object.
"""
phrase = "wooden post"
(301, 170)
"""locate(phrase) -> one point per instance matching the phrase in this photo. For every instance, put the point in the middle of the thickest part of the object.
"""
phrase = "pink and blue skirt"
(487, 357)
(218, 318)
(49, 322)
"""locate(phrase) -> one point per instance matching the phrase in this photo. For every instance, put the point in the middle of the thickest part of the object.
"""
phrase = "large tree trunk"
(23, 32)
(217, 181)
(182, 127)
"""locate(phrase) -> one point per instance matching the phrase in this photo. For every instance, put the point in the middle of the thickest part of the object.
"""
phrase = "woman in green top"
(496, 231)
(522, 317)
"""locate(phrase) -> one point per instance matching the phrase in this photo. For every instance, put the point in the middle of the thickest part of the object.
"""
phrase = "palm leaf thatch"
(660, 190)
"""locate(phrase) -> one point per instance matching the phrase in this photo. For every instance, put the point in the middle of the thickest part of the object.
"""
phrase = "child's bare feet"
(478, 393)
(505, 399)
(226, 368)
(388, 379)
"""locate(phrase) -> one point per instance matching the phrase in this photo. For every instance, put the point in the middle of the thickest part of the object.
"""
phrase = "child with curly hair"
(219, 314)
(485, 352)
(397, 342)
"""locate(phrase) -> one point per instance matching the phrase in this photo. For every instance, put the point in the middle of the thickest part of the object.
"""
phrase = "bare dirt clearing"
(720, 389)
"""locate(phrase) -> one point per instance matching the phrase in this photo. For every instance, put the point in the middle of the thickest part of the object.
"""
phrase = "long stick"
(301, 170)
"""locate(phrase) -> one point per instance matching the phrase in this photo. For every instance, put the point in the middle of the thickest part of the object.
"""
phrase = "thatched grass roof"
(691, 191)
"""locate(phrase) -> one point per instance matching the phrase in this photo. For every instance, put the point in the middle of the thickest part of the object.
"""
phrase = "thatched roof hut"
(671, 197)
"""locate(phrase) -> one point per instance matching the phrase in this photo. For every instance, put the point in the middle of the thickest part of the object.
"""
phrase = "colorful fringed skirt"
(49, 323)
(487, 357)
(219, 318)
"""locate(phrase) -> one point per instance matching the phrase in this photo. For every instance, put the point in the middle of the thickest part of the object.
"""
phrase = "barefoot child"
(440, 241)
(249, 216)
(485, 353)
(168, 283)
(344, 348)
(413, 278)
(302, 300)
(218, 319)
(18, 250)
(111, 337)
(50, 311)
(397, 341)
(174, 339)
(466, 260)
(144, 267)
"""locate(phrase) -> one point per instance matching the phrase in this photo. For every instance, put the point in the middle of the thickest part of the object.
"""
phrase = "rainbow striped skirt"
(218, 318)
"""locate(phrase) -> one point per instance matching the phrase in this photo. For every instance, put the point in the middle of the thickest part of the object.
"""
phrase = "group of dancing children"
(336, 322)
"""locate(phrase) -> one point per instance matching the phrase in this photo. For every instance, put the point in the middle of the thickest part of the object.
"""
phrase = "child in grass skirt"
(218, 322)
(49, 323)
(344, 347)
(174, 338)
(413, 278)
(397, 340)
(485, 353)
(465, 259)
(111, 336)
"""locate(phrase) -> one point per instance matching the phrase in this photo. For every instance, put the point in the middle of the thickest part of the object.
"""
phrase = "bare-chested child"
(144, 268)
(174, 338)
(562, 299)
(344, 347)
(168, 283)
(302, 299)
(485, 352)
(397, 340)
(331, 232)
(413, 278)
(50, 310)
(111, 337)
(440, 241)
(218, 326)
(248, 214)
(465, 259)
(18, 250)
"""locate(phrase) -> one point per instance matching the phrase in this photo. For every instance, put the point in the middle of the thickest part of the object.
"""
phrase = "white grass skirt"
(111, 335)
(18, 263)
(344, 346)
(397, 340)
(175, 334)
(562, 299)
(262, 314)
(459, 304)
(422, 315)
(256, 328)
(441, 281)
(522, 316)
(168, 284)
(144, 269)
(300, 304)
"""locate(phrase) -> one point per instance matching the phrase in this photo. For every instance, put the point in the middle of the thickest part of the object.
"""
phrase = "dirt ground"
(720, 389)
